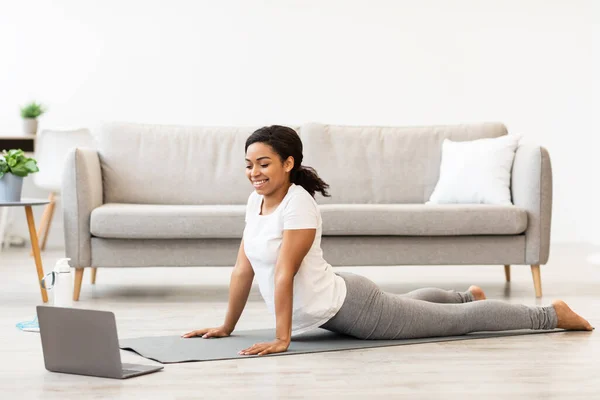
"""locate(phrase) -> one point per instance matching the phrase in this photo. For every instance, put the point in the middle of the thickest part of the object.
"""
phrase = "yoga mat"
(175, 349)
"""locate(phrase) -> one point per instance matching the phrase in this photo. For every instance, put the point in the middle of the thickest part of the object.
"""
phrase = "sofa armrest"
(81, 193)
(532, 190)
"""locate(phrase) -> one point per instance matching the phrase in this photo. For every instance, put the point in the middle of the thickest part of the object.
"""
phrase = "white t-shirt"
(318, 291)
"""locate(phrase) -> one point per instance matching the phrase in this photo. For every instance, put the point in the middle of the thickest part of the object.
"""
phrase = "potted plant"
(14, 166)
(30, 113)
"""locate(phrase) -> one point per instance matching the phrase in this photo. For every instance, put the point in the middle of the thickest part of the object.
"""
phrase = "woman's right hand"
(206, 333)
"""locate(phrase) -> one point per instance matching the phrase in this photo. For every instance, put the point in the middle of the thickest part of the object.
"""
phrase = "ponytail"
(307, 178)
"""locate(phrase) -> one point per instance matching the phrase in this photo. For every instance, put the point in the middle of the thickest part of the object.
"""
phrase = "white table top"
(24, 202)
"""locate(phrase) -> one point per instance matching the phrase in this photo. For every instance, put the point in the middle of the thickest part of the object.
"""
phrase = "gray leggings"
(370, 313)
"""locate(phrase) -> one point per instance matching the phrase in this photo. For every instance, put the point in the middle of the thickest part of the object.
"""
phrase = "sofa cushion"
(143, 221)
(476, 172)
(164, 164)
(148, 221)
(383, 165)
(422, 219)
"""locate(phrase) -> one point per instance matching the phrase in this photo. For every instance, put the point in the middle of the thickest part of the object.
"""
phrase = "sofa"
(161, 195)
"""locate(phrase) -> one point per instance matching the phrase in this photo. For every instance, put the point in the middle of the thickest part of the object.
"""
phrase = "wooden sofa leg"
(94, 270)
(78, 279)
(507, 272)
(537, 280)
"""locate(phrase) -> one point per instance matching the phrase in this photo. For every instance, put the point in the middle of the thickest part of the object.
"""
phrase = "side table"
(35, 247)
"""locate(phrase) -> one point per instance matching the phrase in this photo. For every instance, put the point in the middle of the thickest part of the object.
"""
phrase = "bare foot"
(477, 292)
(568, 319)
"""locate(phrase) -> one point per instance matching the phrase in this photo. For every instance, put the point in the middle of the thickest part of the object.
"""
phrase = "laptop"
(84, 342)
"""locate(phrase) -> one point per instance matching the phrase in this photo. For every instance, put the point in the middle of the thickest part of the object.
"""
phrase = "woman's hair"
(286, 142)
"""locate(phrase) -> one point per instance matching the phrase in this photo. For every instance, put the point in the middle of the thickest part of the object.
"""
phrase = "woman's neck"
(271, 201)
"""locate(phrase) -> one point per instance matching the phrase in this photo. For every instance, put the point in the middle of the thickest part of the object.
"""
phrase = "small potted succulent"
(30, 114)
(14, 166)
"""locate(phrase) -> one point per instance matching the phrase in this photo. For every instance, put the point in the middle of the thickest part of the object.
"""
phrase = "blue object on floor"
(29, 326)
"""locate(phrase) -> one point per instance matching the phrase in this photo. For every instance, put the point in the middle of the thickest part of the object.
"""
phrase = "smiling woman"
(283, 145)
(281, 247)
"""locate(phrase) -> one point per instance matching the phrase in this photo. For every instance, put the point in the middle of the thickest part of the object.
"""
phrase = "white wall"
(528, 64)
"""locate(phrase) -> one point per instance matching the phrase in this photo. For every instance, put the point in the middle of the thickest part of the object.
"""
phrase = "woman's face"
(265, 170)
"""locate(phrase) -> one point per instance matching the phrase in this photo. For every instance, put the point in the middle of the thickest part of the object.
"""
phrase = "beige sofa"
(153, 195)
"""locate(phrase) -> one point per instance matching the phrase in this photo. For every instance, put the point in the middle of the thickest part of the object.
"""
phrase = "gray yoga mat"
(175, 349)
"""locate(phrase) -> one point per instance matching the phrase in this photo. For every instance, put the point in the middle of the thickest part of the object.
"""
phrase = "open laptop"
(84, 342)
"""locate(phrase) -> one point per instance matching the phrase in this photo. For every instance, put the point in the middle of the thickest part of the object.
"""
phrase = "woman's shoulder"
(253, 195)
(297, 194)
(253, 199)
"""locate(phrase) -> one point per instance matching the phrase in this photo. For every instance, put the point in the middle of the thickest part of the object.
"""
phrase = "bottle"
(63, 284)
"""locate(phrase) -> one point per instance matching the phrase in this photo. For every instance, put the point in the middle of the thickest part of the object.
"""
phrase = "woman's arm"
(294, 247)
(239, 289)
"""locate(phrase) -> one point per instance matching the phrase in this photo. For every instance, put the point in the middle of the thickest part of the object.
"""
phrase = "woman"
(281, 247)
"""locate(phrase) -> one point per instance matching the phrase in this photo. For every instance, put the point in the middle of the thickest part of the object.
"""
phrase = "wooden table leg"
(44, 226)
(35, 247)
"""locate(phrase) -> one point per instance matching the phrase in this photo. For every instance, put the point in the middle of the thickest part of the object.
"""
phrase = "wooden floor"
(172, 301)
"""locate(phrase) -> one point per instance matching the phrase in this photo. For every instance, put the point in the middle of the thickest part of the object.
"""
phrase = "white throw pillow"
(476, 171)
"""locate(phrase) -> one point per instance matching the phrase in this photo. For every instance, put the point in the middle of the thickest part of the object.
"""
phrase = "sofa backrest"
(164, 164)
(375, 164)
(168, 164)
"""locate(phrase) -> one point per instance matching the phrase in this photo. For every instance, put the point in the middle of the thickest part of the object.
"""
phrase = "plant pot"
(11, 187)
(30, 126)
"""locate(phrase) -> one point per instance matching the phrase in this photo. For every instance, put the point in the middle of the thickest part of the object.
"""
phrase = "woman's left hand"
(276, 346)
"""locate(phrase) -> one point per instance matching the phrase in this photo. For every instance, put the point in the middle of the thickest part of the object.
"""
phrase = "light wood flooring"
(164, 301)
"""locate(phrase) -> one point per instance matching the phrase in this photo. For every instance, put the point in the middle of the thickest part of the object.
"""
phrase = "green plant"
(32, 110)
(15, 162)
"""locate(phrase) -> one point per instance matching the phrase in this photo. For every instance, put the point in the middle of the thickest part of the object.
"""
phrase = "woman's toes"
(477, 292)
